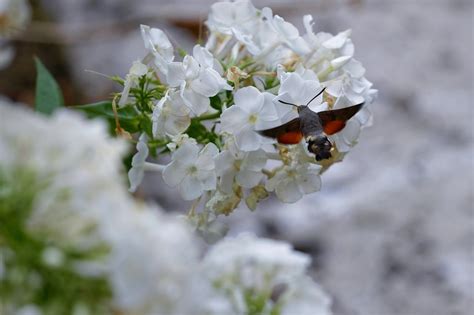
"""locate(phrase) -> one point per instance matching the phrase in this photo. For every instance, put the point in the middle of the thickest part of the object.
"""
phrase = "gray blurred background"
(392, 230)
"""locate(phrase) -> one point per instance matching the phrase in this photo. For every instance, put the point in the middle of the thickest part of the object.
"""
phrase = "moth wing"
(335, 120)
(288, 133)
(291, 126)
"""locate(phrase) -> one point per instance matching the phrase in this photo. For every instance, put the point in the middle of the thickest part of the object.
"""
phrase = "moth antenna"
(321, 92)
(286, 103)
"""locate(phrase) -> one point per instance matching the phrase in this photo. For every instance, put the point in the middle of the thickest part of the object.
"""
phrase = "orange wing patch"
(292, 137)
(331, 127)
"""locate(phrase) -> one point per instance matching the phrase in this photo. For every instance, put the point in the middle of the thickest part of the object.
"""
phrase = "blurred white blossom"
(84, 224)
(249, 271)
(14, 16)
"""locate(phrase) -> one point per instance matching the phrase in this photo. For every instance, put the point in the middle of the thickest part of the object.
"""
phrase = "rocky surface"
(392, 230)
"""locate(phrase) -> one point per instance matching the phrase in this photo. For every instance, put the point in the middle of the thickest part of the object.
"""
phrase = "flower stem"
(208, 117)
(154, 167)
(273, 156)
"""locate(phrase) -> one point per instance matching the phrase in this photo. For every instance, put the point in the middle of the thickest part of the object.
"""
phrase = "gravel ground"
(391, 232)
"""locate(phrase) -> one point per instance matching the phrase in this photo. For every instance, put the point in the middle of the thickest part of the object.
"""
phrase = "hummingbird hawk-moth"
(313, 127)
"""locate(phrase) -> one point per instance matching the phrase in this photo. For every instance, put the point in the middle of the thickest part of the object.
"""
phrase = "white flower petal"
(176, 74)
(248, 140)
(227, 181)
(355, 68)
(337, 41)
(249, 99)
(249, 179)
(174, 173)
(288, 191)
(209, 83)
(187, 153)
(208, 179)
(254, 160)
(190, 188)
(233, 119)
(197, 103)
(352, 131)
(310, 183)
(224, 162)
(268, 111)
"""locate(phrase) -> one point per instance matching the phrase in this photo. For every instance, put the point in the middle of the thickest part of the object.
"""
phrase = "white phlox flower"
(150, 280)
(243, 167)
(291, 182)
(326, 50)
(287, 33)
(171, 116)
(197, 79)
(299, 88)
(252, 111)
(7, 53)
(229, 20)
(137, 70)
(136, 173)
(229, 17)
(350, 82)
(192, 171)
(14, 16)
(158, 44)
(179, 140)
(305, 299)
(246, 269)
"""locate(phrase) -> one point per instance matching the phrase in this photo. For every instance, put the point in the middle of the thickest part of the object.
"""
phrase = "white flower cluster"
(263, 273)
(152, 260)
(215, 100)
(14, 16)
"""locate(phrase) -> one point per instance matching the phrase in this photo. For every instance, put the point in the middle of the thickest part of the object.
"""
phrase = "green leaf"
(48, 94)
(216, 102)
(128, 117)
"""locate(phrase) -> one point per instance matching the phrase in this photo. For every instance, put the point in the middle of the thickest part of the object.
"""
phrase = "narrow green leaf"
(48, 93)
(128, 117)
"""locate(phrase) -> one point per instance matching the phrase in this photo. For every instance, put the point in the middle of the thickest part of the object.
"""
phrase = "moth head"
(320, 146)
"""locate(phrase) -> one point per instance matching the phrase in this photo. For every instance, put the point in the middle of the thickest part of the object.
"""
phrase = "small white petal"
(224, 162)
(208, 179)
(249, 99)
(337, 41)
(355, 68)
(340, 62)
(233, 119)
(288, 191)
(209, 83)
(249, 179)
(310, 183)
(254, 160)
(174, 173)
(248, 140)
(187, 153)
(197, 103)
(351, 132)
(176, 74)
(190, 188)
